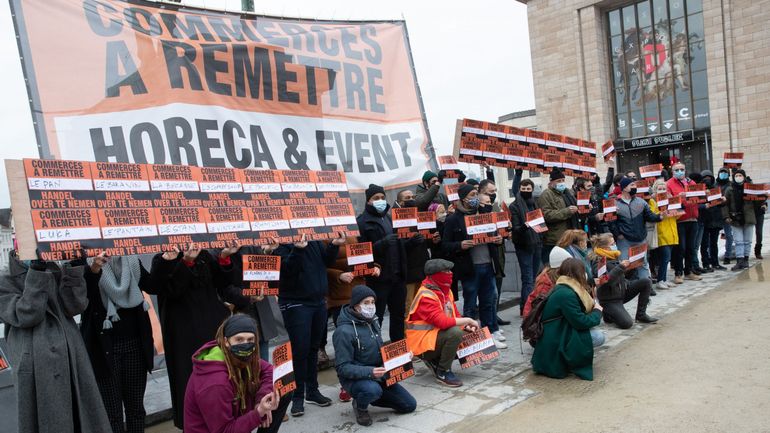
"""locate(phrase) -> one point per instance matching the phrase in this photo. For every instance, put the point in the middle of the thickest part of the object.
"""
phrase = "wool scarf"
(119, 287)
(585, 298)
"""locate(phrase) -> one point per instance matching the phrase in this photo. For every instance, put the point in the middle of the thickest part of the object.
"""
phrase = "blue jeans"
(743, 236)
(597, 337)
(305, 325)
(529, 264)
(664, 258)
(623, 246)
(698, 239)
(482, 286)
(366, 392)
(729, 249)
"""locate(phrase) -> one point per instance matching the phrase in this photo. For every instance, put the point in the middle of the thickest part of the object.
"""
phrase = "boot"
(738, 264)
(758, 252)
(642, 317)
(362, 416)
(745, 263)
(727, 260)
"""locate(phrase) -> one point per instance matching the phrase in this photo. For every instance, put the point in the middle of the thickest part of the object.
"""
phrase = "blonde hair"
(572, 237)
(602, 240)
(655, 185)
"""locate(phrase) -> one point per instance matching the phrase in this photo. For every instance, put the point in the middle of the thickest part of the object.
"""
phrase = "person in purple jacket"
(231, 388)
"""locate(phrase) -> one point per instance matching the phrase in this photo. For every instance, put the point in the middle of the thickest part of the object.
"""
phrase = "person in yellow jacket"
(434, 327)
(668, 237)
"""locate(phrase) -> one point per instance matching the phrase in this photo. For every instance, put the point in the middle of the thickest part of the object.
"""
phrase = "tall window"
(658, 62)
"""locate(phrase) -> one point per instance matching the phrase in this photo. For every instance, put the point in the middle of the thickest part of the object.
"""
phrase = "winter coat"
(389, 251)
(742, 212)
(357, 344)
(451, 240)
(667, 231)
(340, 292)
(210, 402)
(614, 289)
(305, 272)
(51, 371)
(676, 187)
(566, 343)
(524, 238)
(557, 217)
(425, 196)
(261, 311)
(631, 220)
(99, 341)
(191, 310)
(543, 284)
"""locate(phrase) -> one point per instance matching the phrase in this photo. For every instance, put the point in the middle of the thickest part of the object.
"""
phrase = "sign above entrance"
(678, 137)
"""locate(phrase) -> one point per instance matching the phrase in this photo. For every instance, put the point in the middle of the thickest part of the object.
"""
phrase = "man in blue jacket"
(357, 342)
(629, 228)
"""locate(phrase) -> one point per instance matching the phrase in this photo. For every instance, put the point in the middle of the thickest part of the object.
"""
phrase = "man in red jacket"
(686, 225)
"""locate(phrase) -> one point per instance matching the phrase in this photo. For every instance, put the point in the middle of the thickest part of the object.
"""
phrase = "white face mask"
(368, 310)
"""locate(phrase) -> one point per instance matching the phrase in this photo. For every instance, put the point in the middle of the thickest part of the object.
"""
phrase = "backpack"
(532, 325)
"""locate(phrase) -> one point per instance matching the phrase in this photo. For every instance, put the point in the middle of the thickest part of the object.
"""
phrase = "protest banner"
(426, 224)
(536, 221)
(610, 209)
(173, 84)
(755, 191)
(360, 258)
(643, 187)
(675, 207)
(397, 360)
(476, 347)
(695, 194)
(714, 197)
(479, 142)
(503, 222)
(452, 191)
(636, 254)
(283, 370)
(584, 202)
(733, 159)
(652, 170)
(404, 221)
(608, 150)
(261, 274)
(482, 228)
(449, 164)
(61, 207)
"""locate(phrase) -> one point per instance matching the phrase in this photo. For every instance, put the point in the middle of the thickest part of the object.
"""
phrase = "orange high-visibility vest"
(421, 335)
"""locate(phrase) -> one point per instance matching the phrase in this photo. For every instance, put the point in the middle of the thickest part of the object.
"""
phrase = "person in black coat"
(526, 240)
(376, 226)
(188, 286)
(711, 218)
(117, 334)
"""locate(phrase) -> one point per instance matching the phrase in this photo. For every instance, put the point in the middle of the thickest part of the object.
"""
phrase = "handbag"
(652, 235)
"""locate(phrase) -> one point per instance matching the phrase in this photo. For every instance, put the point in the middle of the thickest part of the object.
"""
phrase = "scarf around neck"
(119, 287)
(585, 298)
(609, 254)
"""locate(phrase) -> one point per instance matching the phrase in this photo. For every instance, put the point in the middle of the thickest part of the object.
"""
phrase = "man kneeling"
(434, 327)
(357, 343)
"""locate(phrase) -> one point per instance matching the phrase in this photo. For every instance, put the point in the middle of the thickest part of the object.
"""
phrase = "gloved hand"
(441, 176)
(81, 260)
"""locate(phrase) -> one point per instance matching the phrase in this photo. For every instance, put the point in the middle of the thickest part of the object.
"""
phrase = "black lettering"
(362, 153)
(180, 29)
(332, 67)
(117, 56)
(179, 136)
(348, 39)
(323, 150)
(375, 90)
(103, 152)
(135, 138)
(384, 152)
(283, 77)
(111, 27)
(205, 143)
(374, 53)
(354, 85)
(345, 153)
(175, 63)
(312, 91)
(402, 138)
(152, 25)
(229, 129)
(246, 72)
(211, 66)
(259, 148)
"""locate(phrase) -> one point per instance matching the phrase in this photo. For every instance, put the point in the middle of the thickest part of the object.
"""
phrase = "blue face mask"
(613, 247)
(678, 174)
(723, 176)
(473, 203)
(561, 187)
(380, 205)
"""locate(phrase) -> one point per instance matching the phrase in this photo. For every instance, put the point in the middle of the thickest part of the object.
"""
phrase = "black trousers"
(615, 312)
(124, 389)
(759, 227)
(709, 247)
(682, 254)
(393, 296)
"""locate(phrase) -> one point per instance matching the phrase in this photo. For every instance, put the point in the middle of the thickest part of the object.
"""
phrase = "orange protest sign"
(482, 228)
(536, 221)
(636, 254)
(653, 170)
(426, 223)
(360, 258)
(733, 159)
(404, 221)
(584, 202)
(283, 370)
(476, 347)
(610, 209)
(397, 360)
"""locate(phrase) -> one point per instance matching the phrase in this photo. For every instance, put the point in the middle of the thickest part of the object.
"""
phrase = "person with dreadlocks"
(231, 388)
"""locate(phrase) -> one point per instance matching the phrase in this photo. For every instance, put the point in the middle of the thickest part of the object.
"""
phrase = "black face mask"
(485, 208)
(632, 192)
(526, 195)
(493, 197)
(243, 351)
(409, 203)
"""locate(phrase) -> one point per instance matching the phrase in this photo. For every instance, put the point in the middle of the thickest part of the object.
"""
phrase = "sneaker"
(719, 268)
(678, 279)
(297, 408)
(499, 344)
(662, 285)
(499, 336)
(318, 399)
(449, 379)
(344, 396)
(362, 416)
(692, 277)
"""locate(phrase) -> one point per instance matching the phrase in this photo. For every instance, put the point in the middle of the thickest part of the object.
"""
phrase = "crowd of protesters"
(92, 377)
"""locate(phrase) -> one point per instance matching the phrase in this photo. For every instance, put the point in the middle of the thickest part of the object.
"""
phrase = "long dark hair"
(244, 376)
(576, 270)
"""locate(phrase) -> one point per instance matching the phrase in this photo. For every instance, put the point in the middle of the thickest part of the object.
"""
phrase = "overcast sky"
(471, 60)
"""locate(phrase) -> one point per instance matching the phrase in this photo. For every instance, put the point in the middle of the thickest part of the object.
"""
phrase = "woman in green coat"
(569, 314)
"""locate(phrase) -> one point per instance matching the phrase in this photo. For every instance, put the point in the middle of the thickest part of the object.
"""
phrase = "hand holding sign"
(378, 372)
(192, 253)
(339, 240)
(171, 255)
(99, 261)
(229, 251)
(302, 242)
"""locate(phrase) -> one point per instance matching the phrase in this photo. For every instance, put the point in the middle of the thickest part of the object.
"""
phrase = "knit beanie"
(361, 292)
(428, 175)
(464, 190)
(557, 257)
(372, 190)
(625, 182)
(556, 174)
(239, 323)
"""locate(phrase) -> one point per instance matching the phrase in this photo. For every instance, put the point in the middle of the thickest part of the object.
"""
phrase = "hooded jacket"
(209, 402)
(357, 344)
(389, 251)
(425, 196)
(723, 184)
(741, 212)
(632, 217)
